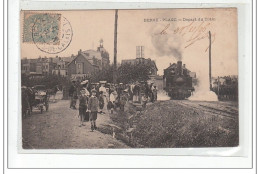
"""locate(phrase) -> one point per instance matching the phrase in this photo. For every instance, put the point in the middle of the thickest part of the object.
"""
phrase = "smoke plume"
(202, 91)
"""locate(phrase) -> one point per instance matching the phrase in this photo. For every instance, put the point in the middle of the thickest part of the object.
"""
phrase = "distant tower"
(101, 43)
(139, 51)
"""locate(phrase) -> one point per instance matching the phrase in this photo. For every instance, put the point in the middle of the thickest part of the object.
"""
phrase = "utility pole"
(115, 49)
(210, 85)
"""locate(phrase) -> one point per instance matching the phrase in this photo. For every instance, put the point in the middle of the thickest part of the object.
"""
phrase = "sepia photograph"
(122, 79)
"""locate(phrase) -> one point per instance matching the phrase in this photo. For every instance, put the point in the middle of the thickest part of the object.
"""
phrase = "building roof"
(65, 59)
(89, 59)
(93, 53)
(143, 60)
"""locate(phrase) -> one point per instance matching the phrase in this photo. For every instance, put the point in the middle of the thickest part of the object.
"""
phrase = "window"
(79, 68)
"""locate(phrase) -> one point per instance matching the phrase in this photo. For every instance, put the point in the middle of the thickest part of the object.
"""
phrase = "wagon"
(41, 99)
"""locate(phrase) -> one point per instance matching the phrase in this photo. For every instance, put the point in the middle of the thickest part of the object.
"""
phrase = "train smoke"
(166, 43)
(202, 90)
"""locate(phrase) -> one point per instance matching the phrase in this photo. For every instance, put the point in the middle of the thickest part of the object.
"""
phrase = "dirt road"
(59, 128)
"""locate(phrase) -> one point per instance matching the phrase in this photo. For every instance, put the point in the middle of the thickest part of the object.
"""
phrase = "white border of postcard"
(137, 158)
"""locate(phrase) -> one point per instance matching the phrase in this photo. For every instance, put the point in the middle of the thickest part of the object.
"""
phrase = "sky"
(174, 36)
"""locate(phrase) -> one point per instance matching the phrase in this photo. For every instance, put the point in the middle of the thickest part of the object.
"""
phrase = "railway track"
(221, 111)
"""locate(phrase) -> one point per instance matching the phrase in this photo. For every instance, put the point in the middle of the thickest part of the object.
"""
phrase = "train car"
(177, 81)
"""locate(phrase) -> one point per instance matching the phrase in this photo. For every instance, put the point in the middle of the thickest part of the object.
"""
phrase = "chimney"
(184, 66)
(179, 67)
(79, 52)
(72, 55)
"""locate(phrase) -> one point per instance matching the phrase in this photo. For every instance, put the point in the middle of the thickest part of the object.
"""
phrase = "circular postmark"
(52, 34)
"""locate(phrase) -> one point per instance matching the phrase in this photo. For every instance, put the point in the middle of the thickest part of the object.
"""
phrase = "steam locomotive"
(177, 81)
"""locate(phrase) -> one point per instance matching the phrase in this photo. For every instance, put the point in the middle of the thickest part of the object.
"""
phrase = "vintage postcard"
(151, 78)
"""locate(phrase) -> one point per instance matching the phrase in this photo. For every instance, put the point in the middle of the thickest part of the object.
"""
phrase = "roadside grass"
(169, 124)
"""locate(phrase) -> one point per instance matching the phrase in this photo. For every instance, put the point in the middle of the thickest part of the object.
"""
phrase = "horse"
(53, 91)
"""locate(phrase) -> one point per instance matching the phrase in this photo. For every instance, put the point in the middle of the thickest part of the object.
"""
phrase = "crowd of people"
(102, 97)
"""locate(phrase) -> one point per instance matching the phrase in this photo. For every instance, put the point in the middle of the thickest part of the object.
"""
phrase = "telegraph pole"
(115, 49)
(210, 85)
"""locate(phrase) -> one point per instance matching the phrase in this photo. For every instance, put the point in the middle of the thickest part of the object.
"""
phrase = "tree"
(128, 73)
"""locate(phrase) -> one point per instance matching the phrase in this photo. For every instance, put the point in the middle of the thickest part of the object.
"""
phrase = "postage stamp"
(50, 32)
(46, 28)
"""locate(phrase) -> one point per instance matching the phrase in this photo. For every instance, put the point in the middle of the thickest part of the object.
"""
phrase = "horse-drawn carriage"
(41, 97)
(35, 97)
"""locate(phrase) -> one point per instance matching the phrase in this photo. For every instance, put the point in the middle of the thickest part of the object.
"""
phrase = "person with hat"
(73, 94)
(123, 100)
(112, 101)
(93, 109)
(85, 88)
(83, 100)
(136, 92)
(150, 92)
(120, 89)
(101, 102)
(155, 93)
(86, 93)
(102, 94)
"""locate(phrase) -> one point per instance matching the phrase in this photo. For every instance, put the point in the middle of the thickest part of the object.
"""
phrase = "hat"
(125, 90)
(84, 82)
(93, 90)
(102, 82)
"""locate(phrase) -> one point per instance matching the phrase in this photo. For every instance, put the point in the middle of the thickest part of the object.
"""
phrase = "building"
(141, 60)
(46, 65)
(25, 66)
(83, 65)
(61, 65)
(98, 57)
(151, 63)
(30, 66)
